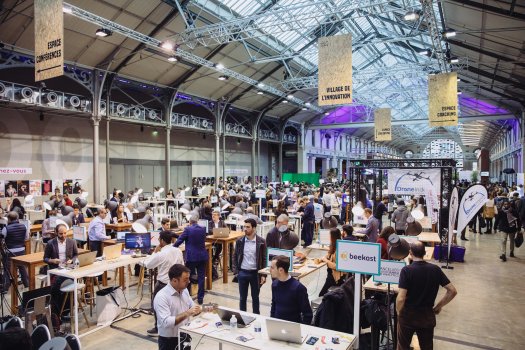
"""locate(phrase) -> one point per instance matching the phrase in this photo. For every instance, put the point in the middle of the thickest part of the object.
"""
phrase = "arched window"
(444, 148)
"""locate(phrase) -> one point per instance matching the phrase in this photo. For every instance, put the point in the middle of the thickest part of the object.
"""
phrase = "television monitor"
(138, 241)
(272, 252)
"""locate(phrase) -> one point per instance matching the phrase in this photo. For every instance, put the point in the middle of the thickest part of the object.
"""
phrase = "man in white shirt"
(173, 305)
(97, 232)
(164, 256)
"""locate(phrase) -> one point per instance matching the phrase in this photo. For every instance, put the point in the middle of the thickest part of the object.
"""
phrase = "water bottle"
(257, 326)
(233, 322)
(76, 263)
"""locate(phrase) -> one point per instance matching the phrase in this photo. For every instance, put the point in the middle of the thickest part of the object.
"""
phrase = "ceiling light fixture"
(460, 93)
(425, 52)
(219, 66)
(260, 85)
(449, 33)
(326, 113)
(173, 59)
(284, 101)
(290, 97)
(223, 77)
(155, 132)
(67, 9)
(307, 104)
(453, 60)
(167, 45)
(103, 32)
(304, 108)
(411, 16)
(260, 93)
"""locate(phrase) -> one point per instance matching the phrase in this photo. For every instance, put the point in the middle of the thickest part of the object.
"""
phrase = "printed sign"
(49, 39)
(358, 257)
(413, 181)
(382, 124)
(474, 198)
(260, 194)
(452, 215)
(324, 237)
(390, 271)
(335, 70)
(16, 171)
(443, 99)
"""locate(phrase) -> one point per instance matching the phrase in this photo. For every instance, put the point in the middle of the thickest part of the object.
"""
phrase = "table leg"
(105, 279)
(14, 285)
(121, 279)
(75, 295)
(225, 259)
(209, 268)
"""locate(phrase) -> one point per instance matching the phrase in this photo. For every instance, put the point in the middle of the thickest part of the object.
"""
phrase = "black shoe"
(153, 331)
(464, 239)
(503, 257)
(200, 302)
(512, 255)
(474, 231)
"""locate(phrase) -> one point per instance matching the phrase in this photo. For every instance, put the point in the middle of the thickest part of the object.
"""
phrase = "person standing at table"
(289, 297)
(418, 287)
(173, 305)
(307, 232)
(97, 232)
(196, 255)
(380, 210)
(372, 227)
(249, 257)
(399, 217)
(163, 258)
(15, 235)
(280, 236)
(78, 217)
(48, 226)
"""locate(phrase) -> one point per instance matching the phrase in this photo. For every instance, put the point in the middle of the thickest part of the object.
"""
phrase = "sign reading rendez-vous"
(359, 257)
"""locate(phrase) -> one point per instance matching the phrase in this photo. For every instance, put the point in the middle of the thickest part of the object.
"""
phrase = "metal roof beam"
(499, 11)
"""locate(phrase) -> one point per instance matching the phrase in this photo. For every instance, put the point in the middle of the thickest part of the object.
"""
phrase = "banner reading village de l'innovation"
(335, 70)
(443, 99)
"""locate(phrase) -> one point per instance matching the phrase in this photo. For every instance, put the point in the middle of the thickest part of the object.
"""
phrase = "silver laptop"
(242, 320)
(284, 330)
(221, 232)
(87, 258)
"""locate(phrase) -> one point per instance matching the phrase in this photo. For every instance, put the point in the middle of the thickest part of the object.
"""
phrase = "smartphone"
(242, 338)
(312, 340)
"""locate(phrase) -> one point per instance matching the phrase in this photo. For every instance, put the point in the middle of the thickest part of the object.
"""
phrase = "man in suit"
(194, 237)
(280, 236)
(15, 234)
(372, 227)
(59, 250)
(307, 232)
(216, 222)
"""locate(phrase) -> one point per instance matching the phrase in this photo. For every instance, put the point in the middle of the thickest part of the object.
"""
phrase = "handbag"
(518, 241)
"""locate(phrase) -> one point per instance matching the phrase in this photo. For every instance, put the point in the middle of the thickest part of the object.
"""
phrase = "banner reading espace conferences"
(413, 181)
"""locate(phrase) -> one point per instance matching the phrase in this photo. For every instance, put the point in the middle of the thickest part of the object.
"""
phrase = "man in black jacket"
(280, 236)
(248, 258)
(307, 232)
(15, 235)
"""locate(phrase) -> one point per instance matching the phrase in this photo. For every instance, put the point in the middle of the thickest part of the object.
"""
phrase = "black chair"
(39, 336)
(73, 342)
(13, 322)
(57, 343)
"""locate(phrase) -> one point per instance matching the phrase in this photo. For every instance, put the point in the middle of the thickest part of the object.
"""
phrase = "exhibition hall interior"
(249, 174)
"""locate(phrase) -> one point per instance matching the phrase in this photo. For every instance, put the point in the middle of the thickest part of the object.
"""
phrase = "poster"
(2, 188)
(49, 39)
(382, 124)
(11, 189)
(335, 70)
(57, 186)
(413, 181)
(67, 186)
(47, 187)
(77, 186)
(443, 99)
(22, 187)
(35, 187)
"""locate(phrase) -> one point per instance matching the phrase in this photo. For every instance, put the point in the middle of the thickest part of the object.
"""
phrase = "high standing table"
(203, 329)
(226, 242)
(121, 226)
(429, 237)
(306, 269)
(93, 269)
(30, 262)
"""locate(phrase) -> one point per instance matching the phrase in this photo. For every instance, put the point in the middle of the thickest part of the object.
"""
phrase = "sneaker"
(511, 254)
(503, 257)
(464, 239)
(153, 331)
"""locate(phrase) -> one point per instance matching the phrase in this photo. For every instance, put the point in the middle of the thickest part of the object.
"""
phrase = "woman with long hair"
(383, 240)
(333, 277)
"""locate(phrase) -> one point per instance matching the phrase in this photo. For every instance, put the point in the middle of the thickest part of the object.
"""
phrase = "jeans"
(168, 343)
(307, 233)
(158, 286)
(249, 278)
(198, 267)
(504, 236)
(490, 224)
(21, 270)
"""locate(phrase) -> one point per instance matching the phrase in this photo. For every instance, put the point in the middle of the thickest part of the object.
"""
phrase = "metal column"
(107, 155)
(96, 141)
(217, 158)
(167, 157)
(254, 145)
(280, 161)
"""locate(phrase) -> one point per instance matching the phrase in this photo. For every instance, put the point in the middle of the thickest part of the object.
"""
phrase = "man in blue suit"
(194, 237)
(307, 232)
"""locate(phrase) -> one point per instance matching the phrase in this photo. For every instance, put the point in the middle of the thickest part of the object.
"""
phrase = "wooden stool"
(70, 291)
(91, 281)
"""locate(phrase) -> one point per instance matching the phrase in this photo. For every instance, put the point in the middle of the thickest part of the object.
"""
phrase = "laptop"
(242, 320)
(121, 236)
(221, 232)
(113, 251)
(284, 331)
(87, 258)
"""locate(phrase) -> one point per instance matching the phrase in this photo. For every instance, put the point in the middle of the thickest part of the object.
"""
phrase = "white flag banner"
(413, 181)
(473, 200)
(431, 200)
(452, 215)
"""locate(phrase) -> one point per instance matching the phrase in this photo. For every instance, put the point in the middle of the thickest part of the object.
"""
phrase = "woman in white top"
(490, 210)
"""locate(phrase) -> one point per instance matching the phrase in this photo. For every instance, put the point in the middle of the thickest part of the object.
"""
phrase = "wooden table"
(207, 245)
(226, 242)
(121, 226)
(306, 269)
(38, 227)
(30, 262)
(429, 237)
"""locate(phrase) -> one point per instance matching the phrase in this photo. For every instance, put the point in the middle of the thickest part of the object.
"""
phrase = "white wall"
(60, 147)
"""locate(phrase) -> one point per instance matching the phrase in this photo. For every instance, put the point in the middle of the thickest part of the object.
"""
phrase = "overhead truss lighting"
(103, 32)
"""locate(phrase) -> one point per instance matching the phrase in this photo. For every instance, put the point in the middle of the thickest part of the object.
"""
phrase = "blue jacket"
(15, 235)
(309, 215)
(194, 238)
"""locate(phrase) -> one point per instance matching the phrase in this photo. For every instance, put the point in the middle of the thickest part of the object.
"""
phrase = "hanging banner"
(443, 99)
(49, 39)
(474, 198)
(452, 215)
(432, 202)
(383, 124)
(335, 70)
(413, 181)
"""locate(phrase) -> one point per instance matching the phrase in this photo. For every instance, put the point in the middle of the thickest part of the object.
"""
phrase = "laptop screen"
(121, 235)
(140, 241)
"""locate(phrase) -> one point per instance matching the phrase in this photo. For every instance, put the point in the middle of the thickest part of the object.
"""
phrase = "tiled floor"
(488, 313)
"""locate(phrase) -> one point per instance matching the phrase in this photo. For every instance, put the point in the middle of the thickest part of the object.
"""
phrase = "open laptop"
(121, 236)
(87, 258)
(242, 320)
(284, 330)
(113, 251)
(221, 232)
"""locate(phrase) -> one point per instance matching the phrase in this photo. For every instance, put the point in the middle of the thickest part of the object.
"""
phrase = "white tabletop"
(204, 326)
(97, 267)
